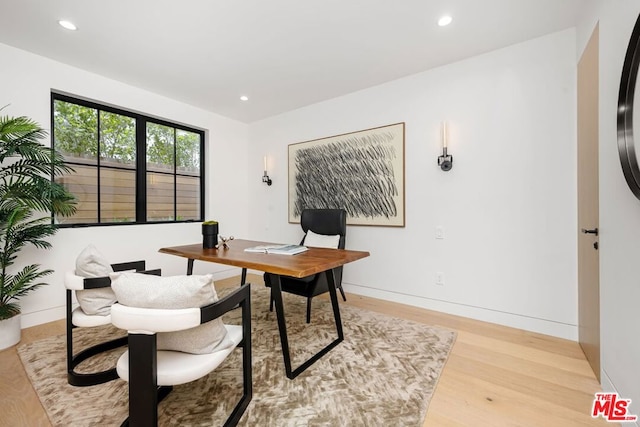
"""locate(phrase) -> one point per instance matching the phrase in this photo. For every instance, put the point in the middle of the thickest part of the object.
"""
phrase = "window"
(129, 168)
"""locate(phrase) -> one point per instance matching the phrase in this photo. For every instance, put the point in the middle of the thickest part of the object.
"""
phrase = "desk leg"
(276, 292)
(243, 279)
(331, 281)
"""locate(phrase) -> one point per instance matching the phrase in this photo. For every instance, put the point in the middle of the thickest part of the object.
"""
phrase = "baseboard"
(605, 381)
(42, 316)
(542, 326)
(608, 387)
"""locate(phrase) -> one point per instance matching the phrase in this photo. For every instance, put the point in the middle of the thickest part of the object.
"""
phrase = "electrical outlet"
(439, 232)
(440, 278)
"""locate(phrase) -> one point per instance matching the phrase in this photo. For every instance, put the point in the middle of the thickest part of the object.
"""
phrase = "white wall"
(619, 213)
(26, 81)
(508, 207)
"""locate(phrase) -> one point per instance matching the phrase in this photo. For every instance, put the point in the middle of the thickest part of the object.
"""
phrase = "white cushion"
(176, 368)
(91, 263)
(174, 292)
(321, 240)
(81, 319)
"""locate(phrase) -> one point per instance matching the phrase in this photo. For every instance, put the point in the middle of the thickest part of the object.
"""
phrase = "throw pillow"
(91, 263)
(321, 240)
(175, 292)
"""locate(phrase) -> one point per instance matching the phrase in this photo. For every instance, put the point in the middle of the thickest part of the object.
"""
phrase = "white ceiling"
(283, 54)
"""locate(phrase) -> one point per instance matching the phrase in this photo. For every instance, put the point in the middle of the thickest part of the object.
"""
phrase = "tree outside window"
(103, 144)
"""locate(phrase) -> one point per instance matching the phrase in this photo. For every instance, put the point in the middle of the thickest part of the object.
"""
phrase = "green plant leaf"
(29, 195)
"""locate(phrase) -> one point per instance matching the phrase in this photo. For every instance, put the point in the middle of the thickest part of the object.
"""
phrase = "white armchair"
(151, 373)
(79, 318)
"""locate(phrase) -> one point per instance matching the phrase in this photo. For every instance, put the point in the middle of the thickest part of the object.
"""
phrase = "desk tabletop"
(315, 260)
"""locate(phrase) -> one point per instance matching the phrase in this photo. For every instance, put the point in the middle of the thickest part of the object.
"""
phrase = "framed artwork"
(361, 172)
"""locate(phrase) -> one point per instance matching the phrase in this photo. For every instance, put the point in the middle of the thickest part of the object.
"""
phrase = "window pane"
(160, 201)
(76, 132)
(188, 152)
(83, 184)
(117, 195)
(188, 198)
(101, 143)
(117, 138)
(160, 148)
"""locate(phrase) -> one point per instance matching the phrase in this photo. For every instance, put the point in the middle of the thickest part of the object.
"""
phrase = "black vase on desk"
(209, 235)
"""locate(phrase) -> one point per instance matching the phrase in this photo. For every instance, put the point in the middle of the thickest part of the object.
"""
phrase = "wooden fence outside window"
(118, 193)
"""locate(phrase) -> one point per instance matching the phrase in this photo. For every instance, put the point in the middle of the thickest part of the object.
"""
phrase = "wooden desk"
(315, 260)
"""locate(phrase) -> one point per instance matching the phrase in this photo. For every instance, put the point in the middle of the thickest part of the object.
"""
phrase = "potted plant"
(28, 197)
(210, 234)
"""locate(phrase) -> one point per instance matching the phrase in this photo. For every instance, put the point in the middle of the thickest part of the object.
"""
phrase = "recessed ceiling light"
(244, 98)
(445, 20)
(68, 25)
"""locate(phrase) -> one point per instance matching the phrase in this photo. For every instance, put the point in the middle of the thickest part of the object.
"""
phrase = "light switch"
(439, 232)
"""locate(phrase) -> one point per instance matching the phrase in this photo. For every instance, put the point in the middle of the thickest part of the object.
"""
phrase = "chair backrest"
(325, 221)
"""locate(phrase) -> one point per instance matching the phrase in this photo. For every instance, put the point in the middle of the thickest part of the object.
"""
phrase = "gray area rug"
(383, 373)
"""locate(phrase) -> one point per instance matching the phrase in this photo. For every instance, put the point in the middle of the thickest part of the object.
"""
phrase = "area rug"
(384, 373)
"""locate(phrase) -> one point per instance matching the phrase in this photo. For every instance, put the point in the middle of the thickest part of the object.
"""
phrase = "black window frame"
(141, 121)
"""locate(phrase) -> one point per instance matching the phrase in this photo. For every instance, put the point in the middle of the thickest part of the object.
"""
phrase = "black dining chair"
(322, 228)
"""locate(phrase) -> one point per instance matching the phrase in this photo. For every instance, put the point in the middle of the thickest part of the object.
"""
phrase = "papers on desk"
(277, 249)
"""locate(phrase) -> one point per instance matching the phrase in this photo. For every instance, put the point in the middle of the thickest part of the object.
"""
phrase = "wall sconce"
(446, 160)
(265, 177)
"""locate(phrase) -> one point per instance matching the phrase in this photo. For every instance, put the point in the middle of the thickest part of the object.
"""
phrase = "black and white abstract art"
(362, 172)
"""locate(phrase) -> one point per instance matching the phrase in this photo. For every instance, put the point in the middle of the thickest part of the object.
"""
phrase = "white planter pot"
(10, 332)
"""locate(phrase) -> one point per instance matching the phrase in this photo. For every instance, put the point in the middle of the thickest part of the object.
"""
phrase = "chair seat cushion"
(81, 319)
(91, 263)
(176, 368)
(174, 292)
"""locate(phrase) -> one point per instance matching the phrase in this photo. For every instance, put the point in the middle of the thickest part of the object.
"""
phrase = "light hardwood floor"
(495, 376)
